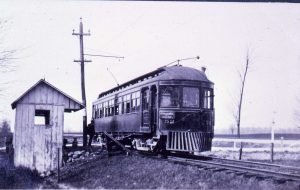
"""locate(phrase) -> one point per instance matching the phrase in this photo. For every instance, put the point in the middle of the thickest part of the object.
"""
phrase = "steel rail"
(259, 163)
(201, 157)
(286, 176)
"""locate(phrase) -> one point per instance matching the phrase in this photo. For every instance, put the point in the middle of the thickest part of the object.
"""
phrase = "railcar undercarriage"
(188, 142)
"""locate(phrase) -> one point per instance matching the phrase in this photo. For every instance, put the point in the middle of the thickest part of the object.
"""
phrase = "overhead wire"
(108, 56)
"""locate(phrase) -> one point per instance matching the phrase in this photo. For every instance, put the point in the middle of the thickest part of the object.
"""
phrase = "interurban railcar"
(171, 108)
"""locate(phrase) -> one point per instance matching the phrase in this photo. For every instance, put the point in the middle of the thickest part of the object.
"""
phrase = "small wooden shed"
(39, 123)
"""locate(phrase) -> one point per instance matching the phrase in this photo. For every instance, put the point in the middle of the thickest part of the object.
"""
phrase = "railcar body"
(171, 108)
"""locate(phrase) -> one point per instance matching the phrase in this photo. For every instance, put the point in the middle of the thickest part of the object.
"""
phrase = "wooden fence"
(256, 145)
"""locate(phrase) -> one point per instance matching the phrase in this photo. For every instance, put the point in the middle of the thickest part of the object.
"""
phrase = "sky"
(150, 35)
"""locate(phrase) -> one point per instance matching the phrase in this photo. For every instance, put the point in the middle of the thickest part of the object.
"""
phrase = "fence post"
(272, 151)
(58, 164)
(241, 150)
(234, 145)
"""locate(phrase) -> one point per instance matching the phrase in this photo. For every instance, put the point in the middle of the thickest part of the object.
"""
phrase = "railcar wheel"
(161, 146)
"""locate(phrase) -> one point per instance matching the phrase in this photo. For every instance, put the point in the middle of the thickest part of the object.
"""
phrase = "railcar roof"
(176, 72)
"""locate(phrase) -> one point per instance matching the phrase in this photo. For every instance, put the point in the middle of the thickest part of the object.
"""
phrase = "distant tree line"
(5, 129)
(5, 133)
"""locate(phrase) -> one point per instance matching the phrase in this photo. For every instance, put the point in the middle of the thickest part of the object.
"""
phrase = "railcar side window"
(119, 106)
(123, 105)
(135, 101)
(207, 99)
(105, 109)
(116, 110)
(169, 96)
(98, 111)
(94, 111)
(145, 100)
(101, 110)
(138, 102)
(190, 97)
(111, 107)
(127, 103)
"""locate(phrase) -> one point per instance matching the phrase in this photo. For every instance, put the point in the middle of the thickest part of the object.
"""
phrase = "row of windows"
(120, 105)
(169, 97)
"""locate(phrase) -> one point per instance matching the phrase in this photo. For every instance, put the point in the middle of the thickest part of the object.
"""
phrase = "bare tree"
(6, 54)
(5, 128)
(243, 75)
(5, 59)
(232, 128)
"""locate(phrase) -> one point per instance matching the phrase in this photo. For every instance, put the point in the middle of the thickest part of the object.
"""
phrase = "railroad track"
(278, 172)
(259, 169)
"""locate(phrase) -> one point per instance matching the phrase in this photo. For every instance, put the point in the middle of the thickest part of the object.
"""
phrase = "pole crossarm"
(83, 61)
(81, 34)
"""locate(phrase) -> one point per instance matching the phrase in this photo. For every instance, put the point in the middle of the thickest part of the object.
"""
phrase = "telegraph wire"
(108, 56)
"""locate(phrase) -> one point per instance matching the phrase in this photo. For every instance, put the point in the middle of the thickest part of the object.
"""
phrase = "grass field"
(133, 172)
(278, 136)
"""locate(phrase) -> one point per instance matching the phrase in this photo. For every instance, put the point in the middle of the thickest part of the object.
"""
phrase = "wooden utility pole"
(82, 61)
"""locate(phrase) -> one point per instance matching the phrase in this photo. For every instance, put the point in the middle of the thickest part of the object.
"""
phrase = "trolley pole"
(82, 61)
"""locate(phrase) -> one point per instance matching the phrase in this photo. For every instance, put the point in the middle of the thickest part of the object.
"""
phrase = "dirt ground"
(141, 172)
(16, 178)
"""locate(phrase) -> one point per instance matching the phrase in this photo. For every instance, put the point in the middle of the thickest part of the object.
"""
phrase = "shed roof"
(78, 105)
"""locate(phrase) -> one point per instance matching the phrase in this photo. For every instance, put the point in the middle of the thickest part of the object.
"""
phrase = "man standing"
(91, 132)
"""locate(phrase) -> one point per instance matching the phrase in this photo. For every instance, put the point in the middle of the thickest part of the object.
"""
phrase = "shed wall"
(36, 145)
(43, 94)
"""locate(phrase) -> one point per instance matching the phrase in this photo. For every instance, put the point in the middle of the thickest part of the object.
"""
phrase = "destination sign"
(167, 115)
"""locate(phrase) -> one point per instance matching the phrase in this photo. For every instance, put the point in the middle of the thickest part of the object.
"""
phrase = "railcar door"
(153, 108)
(145, 110)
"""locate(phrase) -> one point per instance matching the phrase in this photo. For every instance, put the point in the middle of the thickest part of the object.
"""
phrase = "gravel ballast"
(140, 172)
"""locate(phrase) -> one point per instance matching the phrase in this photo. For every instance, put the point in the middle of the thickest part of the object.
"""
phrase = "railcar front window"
(169, 96)
(190, 97)
(208, 99)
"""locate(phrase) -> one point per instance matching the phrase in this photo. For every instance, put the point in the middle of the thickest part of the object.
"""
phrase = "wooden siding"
(36, 145)
(44, 94)
(129, 122)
